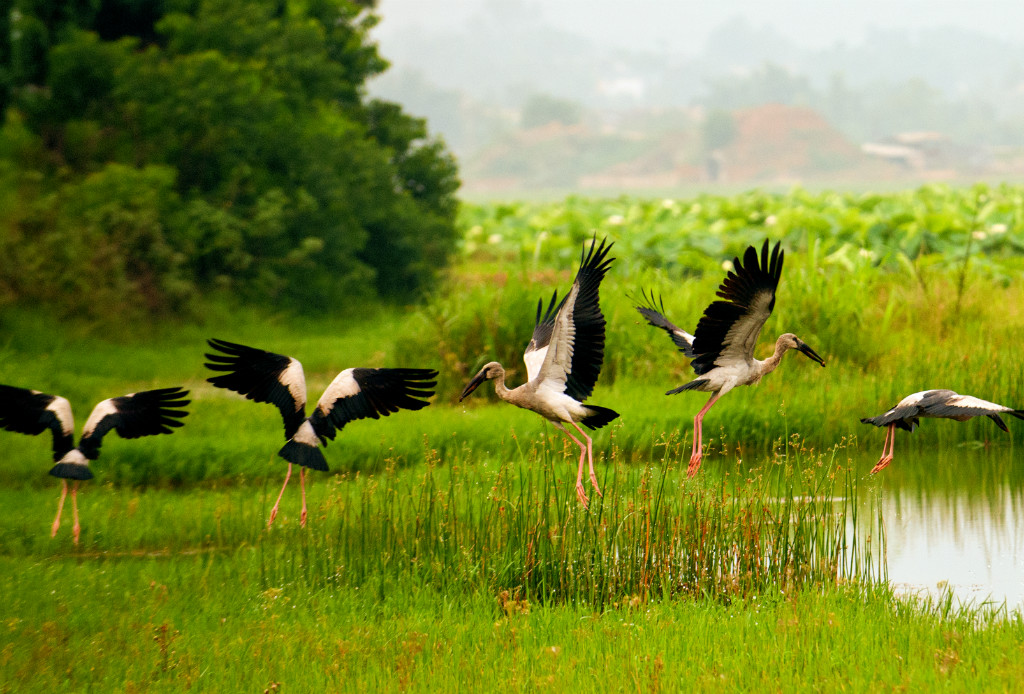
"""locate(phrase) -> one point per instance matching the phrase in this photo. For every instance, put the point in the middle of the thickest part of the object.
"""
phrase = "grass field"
(446, 549)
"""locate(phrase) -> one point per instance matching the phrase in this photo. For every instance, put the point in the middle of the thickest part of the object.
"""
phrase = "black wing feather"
(740, 290)
(654, 312)
(24, 411)
(148, 413)
(589, 323)
(544, 324)
(256, 373)
(381, 392)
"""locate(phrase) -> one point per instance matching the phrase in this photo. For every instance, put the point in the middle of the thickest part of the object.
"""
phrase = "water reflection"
(953, 518)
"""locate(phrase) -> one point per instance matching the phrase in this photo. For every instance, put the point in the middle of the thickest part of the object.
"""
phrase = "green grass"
(206, 623)
(446, 549)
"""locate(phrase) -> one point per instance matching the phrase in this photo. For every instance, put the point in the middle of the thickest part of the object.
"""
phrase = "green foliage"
(285, 185)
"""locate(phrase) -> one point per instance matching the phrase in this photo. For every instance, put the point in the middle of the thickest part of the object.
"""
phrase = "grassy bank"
(473, 577)
(198, 623)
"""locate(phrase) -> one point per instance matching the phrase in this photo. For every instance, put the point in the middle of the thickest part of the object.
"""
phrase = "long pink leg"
(698, 436)
(76, 529)
(890, 441)
(60, 507)
(590, 459)
(273, 511)
(302, 484)
(581, 493)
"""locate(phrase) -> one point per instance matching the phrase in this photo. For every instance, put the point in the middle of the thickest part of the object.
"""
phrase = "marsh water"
(953, 520)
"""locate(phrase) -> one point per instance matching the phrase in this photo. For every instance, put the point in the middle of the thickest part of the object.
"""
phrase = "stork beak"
(811, 354)
(474, 384)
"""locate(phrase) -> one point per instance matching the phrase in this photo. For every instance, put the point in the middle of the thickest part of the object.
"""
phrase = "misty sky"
(682, 26)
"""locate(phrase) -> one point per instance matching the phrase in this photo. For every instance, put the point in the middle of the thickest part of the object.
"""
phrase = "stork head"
(791, 341)
(491, 370)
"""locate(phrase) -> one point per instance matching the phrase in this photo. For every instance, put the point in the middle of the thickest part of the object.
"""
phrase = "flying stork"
(563, 361)
(354, 394)
(132, 416)
(934, 403)
(722, 347)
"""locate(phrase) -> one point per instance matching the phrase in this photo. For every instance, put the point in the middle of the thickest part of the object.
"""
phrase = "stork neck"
(772, 362)
(499, 386)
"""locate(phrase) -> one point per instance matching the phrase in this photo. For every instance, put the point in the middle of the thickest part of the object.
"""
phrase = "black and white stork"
(355, 393)
(722, 347)
(934, 403)
(131, 416)
(563, 361)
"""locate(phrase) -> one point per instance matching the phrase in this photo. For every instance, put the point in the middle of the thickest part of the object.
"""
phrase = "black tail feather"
(71, 471)
(304, 454)
(692, 385)
(598, 417)
(1019, 414)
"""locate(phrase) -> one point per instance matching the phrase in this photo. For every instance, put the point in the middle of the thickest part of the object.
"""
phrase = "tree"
(286, 183)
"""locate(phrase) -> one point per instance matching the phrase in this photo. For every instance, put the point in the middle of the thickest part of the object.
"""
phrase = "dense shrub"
(217, 146)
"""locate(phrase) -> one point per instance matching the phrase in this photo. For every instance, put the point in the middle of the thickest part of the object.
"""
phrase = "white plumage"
(354, 394)
(722, 347)
(563, 361)
(945, 404)
(134, 415)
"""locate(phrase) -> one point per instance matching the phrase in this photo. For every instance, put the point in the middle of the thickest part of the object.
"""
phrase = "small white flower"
(695, 208)
(865, 253)
(616, 220)
(474, 231)
(770, 220)
(997, 229)
(978, 235)
(727, 265)
(668, 203)
(494, 239)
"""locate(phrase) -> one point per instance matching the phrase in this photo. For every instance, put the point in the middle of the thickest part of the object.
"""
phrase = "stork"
(355, 393)
(132, 416)
(722, 347)
(563, 361)
(934, 403)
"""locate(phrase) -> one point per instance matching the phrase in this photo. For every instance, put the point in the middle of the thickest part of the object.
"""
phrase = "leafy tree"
(278, 180)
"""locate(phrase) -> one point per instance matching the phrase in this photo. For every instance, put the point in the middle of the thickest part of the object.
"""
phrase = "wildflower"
(494, 239)
(727, 265)
(997, 229)
(978, 235)
(616, 220)
(770, 220)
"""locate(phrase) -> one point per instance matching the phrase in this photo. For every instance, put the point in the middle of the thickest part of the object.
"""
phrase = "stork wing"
(905, 412)
(576, 347)
(147, 413)
(262, 376)
(535, 352)
(654, 312)
(31, 412)
(728, 330)
(963, 406)
(361, 393)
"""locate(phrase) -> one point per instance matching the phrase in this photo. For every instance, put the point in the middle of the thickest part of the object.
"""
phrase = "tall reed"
(513, 528)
